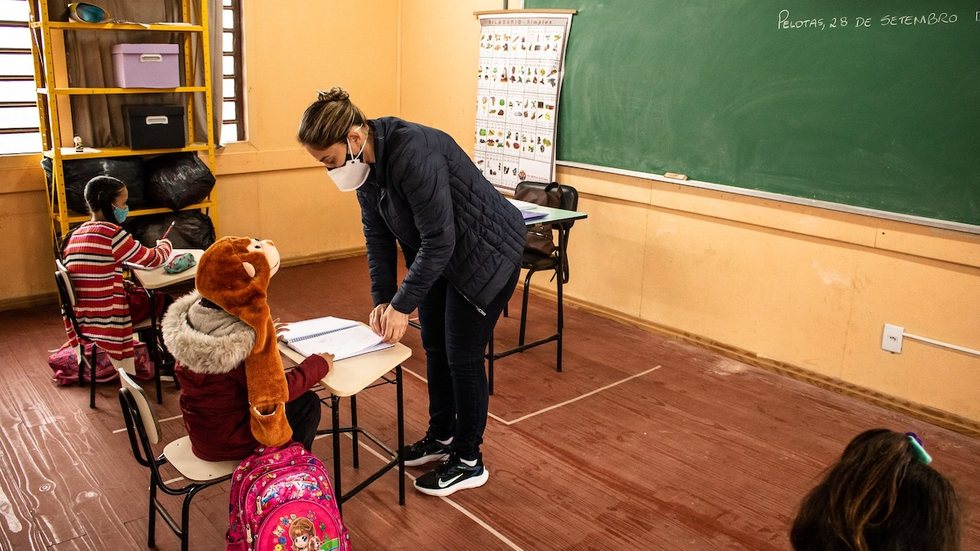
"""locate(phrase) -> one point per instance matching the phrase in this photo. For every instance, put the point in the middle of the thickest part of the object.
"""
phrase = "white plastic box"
(146, 65)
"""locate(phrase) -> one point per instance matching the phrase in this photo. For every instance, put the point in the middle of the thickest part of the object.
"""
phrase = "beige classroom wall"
(268, 185)
(804, 287)
(27, 267)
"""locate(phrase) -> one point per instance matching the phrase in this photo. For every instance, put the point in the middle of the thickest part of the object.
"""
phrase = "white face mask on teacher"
(353, 173)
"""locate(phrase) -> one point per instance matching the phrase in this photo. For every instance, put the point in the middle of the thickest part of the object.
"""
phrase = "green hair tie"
(920, 452)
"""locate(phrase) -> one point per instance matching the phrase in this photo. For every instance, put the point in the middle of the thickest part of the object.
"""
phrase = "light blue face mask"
(120, 213)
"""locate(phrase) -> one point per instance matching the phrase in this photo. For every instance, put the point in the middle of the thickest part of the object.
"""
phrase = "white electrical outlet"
(891, 338)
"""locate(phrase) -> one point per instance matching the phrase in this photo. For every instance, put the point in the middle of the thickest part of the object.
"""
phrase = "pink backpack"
(282, 500)
(64, 364)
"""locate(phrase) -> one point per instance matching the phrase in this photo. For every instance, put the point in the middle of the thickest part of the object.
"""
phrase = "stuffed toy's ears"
(249, 269)
(269, 424)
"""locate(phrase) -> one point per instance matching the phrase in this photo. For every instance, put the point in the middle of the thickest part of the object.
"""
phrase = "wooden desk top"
(350, 376)
(158, 279)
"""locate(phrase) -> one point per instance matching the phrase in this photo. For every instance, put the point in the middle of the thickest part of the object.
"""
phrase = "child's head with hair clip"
(881, 495)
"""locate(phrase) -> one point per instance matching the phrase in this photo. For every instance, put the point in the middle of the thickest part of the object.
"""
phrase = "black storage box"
(155, 126)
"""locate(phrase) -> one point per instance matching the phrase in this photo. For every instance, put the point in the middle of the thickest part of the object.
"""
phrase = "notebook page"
(306, 329)
(343, 343)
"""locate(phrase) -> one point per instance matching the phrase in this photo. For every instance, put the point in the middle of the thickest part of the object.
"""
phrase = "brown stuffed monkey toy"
(234, 273)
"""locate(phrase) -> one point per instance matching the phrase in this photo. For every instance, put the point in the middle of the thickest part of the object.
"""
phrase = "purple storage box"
(146, 65)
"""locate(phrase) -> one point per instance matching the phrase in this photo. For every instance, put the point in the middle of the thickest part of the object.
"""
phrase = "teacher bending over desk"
(462, 242)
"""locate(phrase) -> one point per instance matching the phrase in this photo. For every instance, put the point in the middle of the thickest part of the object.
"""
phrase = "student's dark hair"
(879, 497)
(100, 192)
(327, 120)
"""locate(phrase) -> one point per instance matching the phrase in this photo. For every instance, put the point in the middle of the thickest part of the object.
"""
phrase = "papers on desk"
(527, 209)
(522, 205)
(341, 337)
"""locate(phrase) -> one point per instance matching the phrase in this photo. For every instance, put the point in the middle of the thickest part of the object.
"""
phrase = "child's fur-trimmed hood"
(205, 340)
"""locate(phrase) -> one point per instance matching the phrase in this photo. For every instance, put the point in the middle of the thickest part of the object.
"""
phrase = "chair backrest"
(67, 295)
(569, 197)
(63, 279)
(144, 416)
(539, 193)
(545, 194)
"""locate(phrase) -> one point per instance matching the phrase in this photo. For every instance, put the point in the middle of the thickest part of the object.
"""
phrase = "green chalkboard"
(868, 103)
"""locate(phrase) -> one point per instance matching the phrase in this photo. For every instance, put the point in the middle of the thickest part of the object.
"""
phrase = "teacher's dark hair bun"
(335, 94)
(328, 119)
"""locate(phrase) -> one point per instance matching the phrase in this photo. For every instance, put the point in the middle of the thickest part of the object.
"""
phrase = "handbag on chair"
(540, 239)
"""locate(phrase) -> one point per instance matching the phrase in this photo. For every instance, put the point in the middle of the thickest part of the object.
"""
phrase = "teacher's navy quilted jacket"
(426, 192)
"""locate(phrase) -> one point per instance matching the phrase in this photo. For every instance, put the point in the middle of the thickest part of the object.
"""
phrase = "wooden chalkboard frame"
(840, 207)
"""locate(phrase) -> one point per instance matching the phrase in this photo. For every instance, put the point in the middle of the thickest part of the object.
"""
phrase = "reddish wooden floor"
(642, 443)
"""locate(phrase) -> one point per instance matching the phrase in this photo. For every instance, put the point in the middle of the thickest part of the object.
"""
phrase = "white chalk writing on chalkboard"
(785, 21)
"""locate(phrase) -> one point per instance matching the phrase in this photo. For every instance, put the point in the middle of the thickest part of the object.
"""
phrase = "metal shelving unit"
(50, 67)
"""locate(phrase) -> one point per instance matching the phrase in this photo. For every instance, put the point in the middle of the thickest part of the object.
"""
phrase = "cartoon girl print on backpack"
(299, 533)
(303, 536)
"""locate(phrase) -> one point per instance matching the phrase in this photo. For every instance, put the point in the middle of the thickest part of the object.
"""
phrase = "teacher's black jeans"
(455, 335)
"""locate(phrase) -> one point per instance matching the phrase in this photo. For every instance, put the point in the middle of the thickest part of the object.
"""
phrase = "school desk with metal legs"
(551, 216)
(347, 378)
(155, 281)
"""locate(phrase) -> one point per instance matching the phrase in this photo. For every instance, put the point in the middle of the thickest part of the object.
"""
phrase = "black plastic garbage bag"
(193, 229)
(177, 180)
(78, 172)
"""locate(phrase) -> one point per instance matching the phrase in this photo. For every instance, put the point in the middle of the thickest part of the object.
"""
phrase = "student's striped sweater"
(94, 255)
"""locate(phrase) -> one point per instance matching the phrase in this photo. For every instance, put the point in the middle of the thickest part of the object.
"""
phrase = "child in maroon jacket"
(210, 346)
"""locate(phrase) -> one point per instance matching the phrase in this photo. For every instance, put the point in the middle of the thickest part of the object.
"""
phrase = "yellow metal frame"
(45, 67)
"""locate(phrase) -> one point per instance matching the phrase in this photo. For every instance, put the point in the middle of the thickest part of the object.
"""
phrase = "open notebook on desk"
(341, 337)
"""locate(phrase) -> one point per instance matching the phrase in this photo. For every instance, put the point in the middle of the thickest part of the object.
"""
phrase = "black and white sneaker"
(452, 475)
(424, 451)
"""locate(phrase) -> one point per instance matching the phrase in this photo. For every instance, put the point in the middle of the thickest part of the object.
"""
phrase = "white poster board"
(519, 82)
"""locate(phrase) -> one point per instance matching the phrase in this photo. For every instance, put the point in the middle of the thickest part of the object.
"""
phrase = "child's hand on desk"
(329, 357)
(280, 328)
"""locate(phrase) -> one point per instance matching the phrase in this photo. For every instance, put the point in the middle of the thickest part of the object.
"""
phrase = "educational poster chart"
(519, 80)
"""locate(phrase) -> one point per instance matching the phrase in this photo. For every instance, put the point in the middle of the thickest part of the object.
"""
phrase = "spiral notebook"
(341, 337)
